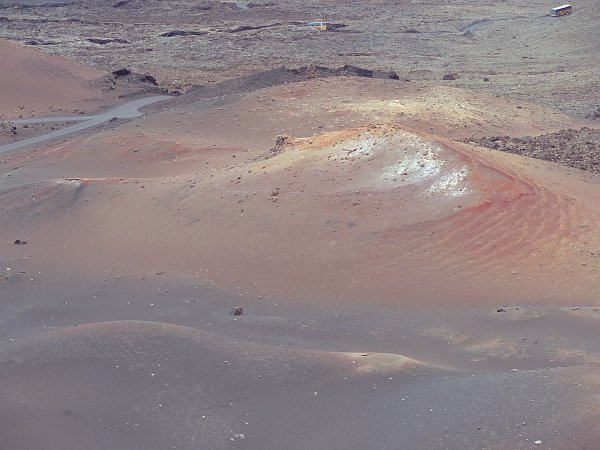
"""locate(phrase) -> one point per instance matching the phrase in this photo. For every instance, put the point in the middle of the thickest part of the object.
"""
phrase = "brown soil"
(398, 288)
(35, 83)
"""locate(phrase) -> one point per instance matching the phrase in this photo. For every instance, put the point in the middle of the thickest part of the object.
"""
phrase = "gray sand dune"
(139, 384)
(170, 385)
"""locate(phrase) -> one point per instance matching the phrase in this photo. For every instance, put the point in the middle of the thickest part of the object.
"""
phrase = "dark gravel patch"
(573, 148)
(275, 77)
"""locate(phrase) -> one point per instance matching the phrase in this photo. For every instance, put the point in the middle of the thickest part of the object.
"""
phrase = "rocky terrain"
(573, 148)
(506, 47)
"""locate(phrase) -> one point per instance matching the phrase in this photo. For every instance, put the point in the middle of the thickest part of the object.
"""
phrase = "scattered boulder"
(386, 74)
(486, 79)
(500, 310)
(354, 71)
(280, 144)
(237, 311)
(450, 76)
(20, 242)
(313, 71)
(121, 3)
(8, 128)
(597, 113)
(146, 79)
(134, 78)
(133, 81)
(121, 72)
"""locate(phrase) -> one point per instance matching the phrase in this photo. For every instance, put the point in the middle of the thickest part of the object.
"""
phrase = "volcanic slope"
(351, 210)
(143, 384)
(37, 84)
(399, 289)
(124, 384)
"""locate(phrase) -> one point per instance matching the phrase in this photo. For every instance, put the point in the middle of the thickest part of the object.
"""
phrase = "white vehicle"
(561, 10)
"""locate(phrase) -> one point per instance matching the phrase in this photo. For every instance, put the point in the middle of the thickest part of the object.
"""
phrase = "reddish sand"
(370, 252)
(409, 216)
(37, 84)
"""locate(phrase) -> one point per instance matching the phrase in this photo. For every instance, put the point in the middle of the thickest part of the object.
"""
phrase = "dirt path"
(129, 110)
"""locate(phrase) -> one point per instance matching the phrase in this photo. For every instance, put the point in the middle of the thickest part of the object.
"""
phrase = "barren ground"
(521, 50)
(402, 286)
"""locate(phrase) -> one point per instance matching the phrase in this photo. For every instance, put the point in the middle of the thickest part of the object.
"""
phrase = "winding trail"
(128, 110)
(476, 25)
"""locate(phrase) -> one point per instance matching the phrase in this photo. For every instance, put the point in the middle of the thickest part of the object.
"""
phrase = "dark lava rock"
(575, 148)
(237, 311)
(354, 71)
(8, 128)
(280, 144)
(20, 242)
(250, 28)
(104, 41)
(182, 33)
(275, 77)
(486, 79)
(147, 79)
(39, 42)
(386, 75)
(121, 72)
(450, 76)
(345, 71)
(134, 78)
